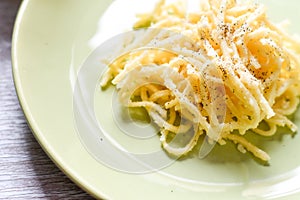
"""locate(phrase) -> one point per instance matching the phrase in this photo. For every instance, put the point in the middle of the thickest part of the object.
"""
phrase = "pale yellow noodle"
(231, 45)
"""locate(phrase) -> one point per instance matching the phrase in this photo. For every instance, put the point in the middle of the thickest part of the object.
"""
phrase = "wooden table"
(25, 170)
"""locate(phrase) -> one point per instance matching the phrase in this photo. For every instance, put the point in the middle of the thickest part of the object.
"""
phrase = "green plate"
(51, 41)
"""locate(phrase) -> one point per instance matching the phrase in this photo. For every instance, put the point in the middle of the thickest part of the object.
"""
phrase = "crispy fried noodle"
(236, 71)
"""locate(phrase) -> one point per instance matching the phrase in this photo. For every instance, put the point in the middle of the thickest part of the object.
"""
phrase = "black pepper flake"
(234, 118)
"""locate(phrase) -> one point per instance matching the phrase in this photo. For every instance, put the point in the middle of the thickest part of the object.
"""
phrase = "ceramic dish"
(51, 41)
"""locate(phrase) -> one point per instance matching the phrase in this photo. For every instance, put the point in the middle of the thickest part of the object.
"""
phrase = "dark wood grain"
(25, 170)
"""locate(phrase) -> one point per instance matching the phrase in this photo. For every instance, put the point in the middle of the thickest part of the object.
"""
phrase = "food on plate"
(221, 72)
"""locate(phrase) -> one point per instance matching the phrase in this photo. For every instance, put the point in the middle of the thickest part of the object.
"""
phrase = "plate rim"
(27, 114)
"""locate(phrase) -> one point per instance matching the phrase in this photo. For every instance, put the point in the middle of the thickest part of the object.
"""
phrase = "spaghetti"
(236, 70)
